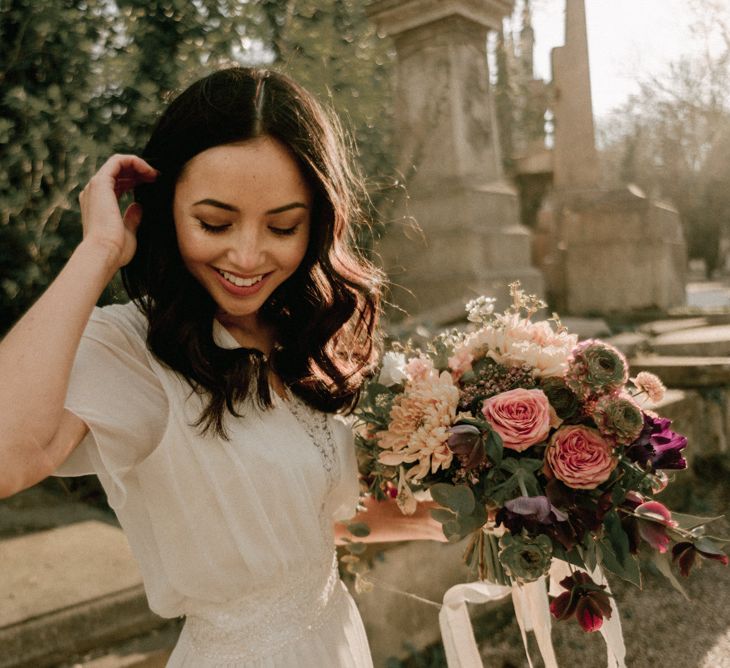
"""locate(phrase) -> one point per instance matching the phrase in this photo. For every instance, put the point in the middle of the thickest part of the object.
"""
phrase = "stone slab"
(394, 621)
(657, 327)
(55, 569)
(685, 372)
(629, 343)
(702, 342)
(151, 650)
(68, 591)
(586, 328)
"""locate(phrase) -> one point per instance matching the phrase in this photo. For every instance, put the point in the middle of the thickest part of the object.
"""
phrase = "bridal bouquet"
(538, 448)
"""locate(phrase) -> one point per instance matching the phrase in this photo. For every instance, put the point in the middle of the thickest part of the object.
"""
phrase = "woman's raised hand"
(101, 217)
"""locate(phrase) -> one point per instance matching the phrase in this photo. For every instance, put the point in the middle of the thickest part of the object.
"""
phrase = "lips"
(226, 280)
(239, 281)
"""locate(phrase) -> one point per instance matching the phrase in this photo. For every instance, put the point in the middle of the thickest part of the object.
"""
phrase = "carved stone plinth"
(469, 240)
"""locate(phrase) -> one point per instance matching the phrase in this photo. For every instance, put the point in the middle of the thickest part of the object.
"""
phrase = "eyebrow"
(230, 207)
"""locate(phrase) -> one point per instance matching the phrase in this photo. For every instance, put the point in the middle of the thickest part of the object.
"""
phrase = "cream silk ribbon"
(533, 614)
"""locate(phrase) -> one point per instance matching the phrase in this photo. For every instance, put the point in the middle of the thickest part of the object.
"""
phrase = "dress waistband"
(250, 627)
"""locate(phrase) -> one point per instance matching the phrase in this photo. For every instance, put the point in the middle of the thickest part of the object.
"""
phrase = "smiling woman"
(207, 405)
(263, 189)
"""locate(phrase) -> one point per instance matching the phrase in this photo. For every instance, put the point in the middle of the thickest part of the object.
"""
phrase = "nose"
(246, 252)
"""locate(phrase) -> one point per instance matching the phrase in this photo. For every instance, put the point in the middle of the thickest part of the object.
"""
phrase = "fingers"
(121, 173)
(128, 166)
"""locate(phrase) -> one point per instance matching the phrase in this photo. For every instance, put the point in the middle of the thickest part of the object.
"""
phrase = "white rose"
(393, 371)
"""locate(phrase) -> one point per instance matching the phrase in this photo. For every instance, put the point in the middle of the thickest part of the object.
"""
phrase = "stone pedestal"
(600, 251)
(455, 230)
(620, 252)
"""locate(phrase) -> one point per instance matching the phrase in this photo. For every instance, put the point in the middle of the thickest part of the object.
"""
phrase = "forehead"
(259, 171)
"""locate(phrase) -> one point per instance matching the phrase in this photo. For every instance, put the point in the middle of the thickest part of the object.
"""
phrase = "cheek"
(296, 253)
(192, 249)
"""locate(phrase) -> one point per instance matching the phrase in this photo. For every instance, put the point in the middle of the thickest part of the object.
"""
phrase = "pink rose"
(580, 457)
(521, 417)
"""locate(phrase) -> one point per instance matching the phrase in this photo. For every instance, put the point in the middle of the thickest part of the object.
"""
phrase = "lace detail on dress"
(265, 621)
(316, 424)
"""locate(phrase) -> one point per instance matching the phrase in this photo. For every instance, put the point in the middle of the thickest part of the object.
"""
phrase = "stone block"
(423, 568)
(685, 372)
(66, 591)
(711, 341)
(657, 327)
(586, 328)
(622, 253)
(629, 343)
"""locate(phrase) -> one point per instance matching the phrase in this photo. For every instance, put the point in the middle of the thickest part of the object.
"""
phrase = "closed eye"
(284, 231)
(213, 229)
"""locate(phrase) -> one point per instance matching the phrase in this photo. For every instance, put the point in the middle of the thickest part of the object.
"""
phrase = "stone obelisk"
(467, 239)
(575, 159)
(611, 250)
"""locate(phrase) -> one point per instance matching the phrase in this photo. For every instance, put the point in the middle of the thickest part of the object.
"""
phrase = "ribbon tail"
(532, 609)
(611, 628)
(456, 630)
(524, 621)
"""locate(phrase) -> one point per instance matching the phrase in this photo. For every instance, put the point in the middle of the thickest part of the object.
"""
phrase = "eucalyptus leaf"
(442, 515)
(458, 498)
(359, 529)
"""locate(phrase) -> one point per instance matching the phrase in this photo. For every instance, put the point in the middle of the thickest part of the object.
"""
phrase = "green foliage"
(460, 515)
(48, 109)
(615, 555)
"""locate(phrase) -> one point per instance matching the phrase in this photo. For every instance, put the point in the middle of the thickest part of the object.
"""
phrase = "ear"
(133, 216)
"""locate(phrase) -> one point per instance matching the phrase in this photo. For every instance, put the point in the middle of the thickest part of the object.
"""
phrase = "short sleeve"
(115, 391)
(347, 492)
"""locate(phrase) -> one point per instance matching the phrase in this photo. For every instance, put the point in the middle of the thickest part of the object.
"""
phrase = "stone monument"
(467, 239)
(575, 159)
(606, 250)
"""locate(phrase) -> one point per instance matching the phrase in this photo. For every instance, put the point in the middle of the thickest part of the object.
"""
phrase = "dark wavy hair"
(325, 315)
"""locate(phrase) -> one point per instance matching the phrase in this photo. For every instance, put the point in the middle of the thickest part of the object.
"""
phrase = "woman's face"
(242, 218)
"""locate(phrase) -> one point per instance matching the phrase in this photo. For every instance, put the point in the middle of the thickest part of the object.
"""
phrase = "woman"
(206, 405)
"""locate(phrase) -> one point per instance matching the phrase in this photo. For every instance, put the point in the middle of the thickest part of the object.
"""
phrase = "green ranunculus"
(596, 368)
(525, 559)
(619, 418)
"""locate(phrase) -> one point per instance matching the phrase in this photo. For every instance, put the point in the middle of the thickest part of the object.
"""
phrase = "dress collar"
(223, 338)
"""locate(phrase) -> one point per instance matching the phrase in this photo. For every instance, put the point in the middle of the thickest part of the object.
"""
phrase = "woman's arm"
(387, 523)
(36, 356)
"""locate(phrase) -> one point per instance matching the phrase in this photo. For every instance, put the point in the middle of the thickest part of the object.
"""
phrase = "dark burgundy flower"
(658, 445)
(536, 508)
(686, 554)
(585, 599)
(537, 516)
(467, 444)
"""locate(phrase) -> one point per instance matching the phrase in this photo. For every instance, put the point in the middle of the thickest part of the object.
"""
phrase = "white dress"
(236, 536)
